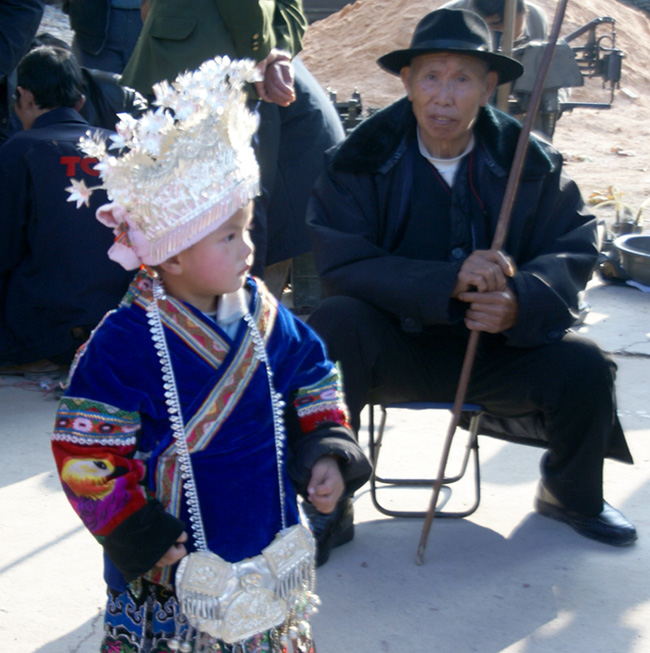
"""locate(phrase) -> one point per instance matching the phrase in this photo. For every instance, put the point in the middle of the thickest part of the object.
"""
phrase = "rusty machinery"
(586, 53)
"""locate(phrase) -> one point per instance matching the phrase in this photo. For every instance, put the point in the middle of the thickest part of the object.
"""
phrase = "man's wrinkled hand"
(492, 312)
(484, 270)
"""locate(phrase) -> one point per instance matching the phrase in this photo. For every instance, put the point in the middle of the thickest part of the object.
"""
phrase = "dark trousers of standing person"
(122, 34)
(291, 143)
(568, 384)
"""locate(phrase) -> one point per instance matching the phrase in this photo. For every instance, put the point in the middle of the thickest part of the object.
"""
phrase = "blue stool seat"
(376, 438)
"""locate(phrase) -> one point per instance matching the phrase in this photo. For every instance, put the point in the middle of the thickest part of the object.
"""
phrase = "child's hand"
(326, 485)
(175, 552)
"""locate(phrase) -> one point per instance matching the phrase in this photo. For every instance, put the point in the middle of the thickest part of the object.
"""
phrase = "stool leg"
(472, 441)
(380, 436)
(470, 448)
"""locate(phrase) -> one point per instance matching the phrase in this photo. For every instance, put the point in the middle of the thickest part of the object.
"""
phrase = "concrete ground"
(504, 579)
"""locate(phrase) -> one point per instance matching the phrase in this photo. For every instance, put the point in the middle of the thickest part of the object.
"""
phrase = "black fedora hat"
(453, 30)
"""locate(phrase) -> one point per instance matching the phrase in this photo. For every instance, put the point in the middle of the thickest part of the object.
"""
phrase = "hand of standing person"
(277, 84)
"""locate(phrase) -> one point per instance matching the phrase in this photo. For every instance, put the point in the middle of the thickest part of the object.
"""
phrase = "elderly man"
(402, 222)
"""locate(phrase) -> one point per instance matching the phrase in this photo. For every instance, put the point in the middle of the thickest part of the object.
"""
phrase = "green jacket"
(180, 35)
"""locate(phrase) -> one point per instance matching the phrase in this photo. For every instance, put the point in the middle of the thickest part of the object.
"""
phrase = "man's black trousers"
(567, 386)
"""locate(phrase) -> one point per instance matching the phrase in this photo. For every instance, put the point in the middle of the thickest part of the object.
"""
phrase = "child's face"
(215, 265)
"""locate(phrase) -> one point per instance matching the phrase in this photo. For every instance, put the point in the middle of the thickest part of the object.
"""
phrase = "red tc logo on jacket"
(87, 163)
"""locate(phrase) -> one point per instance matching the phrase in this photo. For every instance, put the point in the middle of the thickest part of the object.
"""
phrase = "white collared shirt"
(230, 310)
(446, 167)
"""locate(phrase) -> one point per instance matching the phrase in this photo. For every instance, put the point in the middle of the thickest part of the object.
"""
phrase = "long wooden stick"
(500, 234)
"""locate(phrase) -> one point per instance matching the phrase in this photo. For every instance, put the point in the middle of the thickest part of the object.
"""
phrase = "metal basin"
(634, 253)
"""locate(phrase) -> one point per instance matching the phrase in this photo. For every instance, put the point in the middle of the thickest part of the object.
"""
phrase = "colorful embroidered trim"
(91, 422)
(322, 402)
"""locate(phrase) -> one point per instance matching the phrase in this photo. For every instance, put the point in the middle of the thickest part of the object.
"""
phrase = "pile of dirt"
(602, 147)
(341, 51)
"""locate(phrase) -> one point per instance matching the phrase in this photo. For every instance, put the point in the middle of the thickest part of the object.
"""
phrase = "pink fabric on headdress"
(131, 248)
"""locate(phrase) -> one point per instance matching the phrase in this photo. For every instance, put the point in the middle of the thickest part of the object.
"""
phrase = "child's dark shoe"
(331, 530)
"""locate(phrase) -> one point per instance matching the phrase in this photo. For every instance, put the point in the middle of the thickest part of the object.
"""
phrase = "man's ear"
(26, 97)
(405, 76)
(491, 81)
(80, 103)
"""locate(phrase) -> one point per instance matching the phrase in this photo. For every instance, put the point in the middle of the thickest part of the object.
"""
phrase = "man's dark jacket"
(55, 274)
(357, 213)
(358, 206)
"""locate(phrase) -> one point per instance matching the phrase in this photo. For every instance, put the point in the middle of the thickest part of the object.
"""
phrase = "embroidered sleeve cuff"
(321, 403)
(137, 544)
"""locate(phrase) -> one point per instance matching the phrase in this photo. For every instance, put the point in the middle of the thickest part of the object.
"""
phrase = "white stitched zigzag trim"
(109, 441)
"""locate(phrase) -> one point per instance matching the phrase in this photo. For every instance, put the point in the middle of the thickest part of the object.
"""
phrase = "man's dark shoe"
(609, 527)
(331, 530)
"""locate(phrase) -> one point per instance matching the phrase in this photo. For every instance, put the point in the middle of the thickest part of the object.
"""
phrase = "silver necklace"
(176, 417)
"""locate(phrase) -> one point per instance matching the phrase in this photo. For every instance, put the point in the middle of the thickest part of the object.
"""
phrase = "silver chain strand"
(277, 405)
(176, 417)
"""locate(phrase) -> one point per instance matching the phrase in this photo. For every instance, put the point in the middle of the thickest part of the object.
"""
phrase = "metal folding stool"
(471, 451)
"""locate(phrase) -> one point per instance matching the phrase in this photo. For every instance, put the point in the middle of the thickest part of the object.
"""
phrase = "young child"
(200, 407)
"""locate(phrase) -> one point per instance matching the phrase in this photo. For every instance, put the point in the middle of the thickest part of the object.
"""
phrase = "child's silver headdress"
(187, 167)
